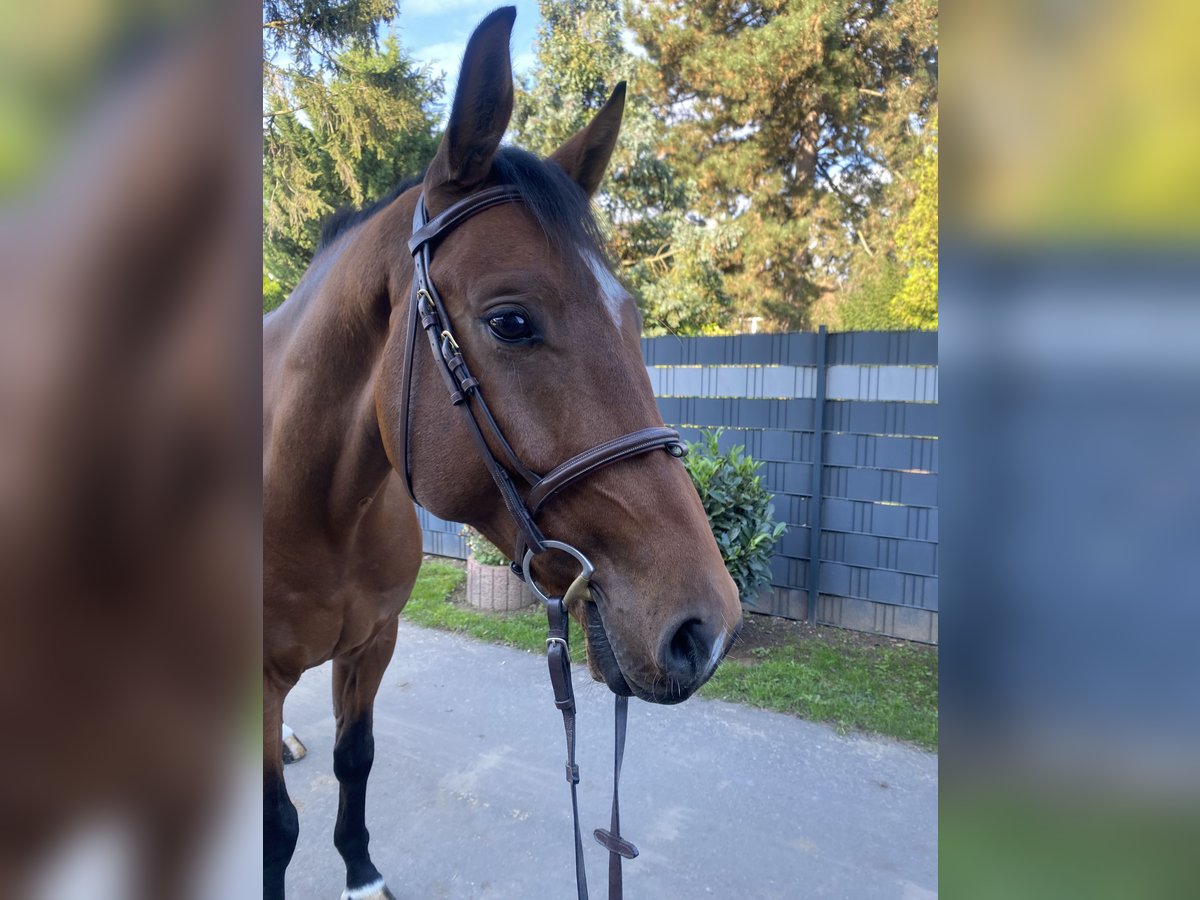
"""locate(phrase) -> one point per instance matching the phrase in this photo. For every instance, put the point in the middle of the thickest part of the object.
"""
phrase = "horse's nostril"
(686, 654)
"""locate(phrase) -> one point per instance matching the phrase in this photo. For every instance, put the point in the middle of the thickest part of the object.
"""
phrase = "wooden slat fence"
(878, 565)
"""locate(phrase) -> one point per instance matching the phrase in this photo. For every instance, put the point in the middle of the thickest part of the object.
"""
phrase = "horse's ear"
(585, 156)
(483, 104)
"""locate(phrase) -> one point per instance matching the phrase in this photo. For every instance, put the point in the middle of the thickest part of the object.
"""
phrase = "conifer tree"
(791, 117)
(664, 254)
(344, 119)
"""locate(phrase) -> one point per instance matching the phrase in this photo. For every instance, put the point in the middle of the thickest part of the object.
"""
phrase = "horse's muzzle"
(687, 656)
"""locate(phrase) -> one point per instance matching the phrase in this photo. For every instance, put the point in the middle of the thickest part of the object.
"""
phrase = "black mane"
(342, 220)
(558, 203)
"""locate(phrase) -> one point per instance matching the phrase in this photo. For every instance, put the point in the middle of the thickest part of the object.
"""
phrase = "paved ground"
(467, 798)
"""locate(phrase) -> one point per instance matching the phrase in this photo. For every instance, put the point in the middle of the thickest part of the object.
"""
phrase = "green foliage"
(321, 26)
(485, 552)
(739, 510)
(788, 117)
(665, 256)
(916, 303)
(273, 293)
(681, 290)
(344, 120)
(867, 304)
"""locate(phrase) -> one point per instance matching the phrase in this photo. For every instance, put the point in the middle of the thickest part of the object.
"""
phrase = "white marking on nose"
(715, 656)
(610, 289)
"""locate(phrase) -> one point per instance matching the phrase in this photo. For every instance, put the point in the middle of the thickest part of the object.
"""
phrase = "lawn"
(433, 605)
(854, 682)
(886, 689)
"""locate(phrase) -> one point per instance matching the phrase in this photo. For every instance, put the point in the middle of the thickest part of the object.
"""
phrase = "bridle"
(427, 312)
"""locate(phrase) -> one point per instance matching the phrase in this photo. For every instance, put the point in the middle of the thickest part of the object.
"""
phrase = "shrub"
(484, 551)
(739, 510)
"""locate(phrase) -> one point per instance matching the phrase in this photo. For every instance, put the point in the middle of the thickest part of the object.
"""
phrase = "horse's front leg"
(356, 680)
(293, 748)
(281, 825)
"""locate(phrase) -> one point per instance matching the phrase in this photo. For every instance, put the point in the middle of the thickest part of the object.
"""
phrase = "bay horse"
(357, 425)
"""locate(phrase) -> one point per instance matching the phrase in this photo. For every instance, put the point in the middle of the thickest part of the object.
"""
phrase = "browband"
(427, 313)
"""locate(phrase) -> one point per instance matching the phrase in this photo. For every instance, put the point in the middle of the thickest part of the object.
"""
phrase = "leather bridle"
(427, 312)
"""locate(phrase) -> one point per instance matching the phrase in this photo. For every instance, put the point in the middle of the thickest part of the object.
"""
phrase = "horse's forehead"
(519, 241)
(612, 292)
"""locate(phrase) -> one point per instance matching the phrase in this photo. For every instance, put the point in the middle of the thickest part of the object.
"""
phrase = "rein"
(428, 313)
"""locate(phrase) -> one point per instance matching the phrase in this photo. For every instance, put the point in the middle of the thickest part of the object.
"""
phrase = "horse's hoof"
(293, 750)
(376, 890)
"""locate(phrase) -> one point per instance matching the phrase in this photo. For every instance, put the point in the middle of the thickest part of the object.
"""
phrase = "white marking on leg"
(611, 291)
(374, 889)
(293, 743)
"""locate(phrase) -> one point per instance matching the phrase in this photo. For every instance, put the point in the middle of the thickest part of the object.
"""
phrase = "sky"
(436, 32)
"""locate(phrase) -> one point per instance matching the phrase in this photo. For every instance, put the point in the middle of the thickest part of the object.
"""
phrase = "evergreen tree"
(344, 119)
(790, 118)
(664, 253)
(866, 304)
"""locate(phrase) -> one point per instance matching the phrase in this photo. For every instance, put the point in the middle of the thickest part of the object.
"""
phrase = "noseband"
(428, 312)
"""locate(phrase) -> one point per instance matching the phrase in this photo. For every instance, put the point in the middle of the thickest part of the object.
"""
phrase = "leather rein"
(427, 313)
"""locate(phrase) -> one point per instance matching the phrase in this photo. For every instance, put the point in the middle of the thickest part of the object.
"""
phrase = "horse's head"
(553, 340)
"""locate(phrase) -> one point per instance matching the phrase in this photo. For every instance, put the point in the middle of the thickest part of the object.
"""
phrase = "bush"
(739, 510)
(484, 551)
(273, 293)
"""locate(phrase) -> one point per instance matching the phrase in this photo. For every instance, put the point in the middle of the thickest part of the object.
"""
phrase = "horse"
(129, 513)
(494, 254)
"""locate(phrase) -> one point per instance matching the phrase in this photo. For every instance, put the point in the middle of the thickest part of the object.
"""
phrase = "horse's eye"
(511, 325)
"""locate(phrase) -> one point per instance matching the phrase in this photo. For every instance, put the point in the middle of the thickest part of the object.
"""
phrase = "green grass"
(889, 690)
(1061, 840)
(428, 606)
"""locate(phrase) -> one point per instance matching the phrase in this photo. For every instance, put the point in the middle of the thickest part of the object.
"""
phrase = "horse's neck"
(321, 352)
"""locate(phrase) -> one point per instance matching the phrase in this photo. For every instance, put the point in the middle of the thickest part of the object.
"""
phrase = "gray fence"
(862, 536)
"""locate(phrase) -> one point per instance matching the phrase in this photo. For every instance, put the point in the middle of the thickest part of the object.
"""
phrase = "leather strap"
(453, 216)
(589, 461)
(427, 312)
(558, 658)
(610, 839)
(601, 455)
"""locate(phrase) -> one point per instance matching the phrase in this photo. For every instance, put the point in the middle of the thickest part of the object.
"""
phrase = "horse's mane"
(342, 220)
(558, 203)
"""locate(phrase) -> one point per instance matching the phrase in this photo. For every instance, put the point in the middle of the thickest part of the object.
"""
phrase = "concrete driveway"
(467, 798)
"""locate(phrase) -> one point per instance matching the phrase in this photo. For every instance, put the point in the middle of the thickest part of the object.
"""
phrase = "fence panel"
(875, 501)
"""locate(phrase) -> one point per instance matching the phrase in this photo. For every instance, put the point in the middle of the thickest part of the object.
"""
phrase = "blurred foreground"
(1070, 494)
(129, 532)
